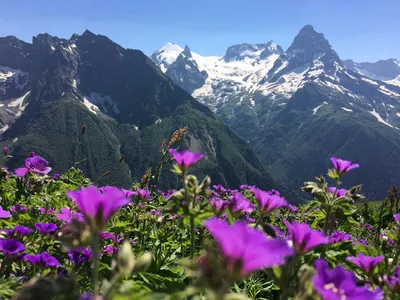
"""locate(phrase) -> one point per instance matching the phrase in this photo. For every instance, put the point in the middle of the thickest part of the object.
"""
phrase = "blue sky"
(364, 30)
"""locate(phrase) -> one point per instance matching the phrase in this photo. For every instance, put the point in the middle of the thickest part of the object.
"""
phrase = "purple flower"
(5, 151)
(22, 230)
(169, 193)
(37, 164)
(49, 211)
(303, 237)
(292, 208)
(98, 206)
(11, 247)
(185, 158)
(109, 250)
(343, 166)
(46, 227)
(339, 236)
(21, 172)
(156, 212)
(18, 208)
(56, 176)
(219, 188)
(246, 186)
(340, 283)
(80, 256)
(4, 214)
(18, 231)
(66, 215)
(89, 296)
(128, 193)
(339, 192)
(367, 226)
(107, 235)
(278, 232)
(44, 259)
(393, 281)
(362, 241)
(249, 219)
(142, 194)
(218, 205)
(268, 201)
(397, 218)
(34, 259)
(49, 261)
(366, 263)
(246, 248)
(34, 164)
(239, 205)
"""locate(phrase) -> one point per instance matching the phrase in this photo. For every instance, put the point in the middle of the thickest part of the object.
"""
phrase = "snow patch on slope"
(395, 81)
(287, 84)
(92, 108)
(347, 109)
(103, 101)
(379, 118)
(18, 104)
(11, 75)
(4, 128)
(369, 81)
(318, 107)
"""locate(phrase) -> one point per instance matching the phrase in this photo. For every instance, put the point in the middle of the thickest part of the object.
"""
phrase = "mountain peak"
(271, 48)
(242, 51)
(187, 51)
(308, 40)
(88, 32)
(384, 69)
(307, 29)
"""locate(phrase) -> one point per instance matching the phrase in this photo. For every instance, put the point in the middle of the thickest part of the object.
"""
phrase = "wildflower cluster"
(67, 238)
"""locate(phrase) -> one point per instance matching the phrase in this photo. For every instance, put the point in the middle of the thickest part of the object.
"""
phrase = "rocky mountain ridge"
(277, 102)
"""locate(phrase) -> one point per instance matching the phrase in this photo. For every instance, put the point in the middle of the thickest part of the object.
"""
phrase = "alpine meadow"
(265, 172)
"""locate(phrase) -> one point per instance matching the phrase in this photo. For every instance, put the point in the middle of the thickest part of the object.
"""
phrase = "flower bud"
(204, 185)
(106, 173)
(143, 262)
(178, 195)
(121, 159)
(126, 258)
(5, 151)
(233, 296)
(191, 182)
(83, 130)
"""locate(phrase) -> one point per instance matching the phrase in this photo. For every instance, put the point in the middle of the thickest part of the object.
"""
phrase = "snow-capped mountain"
(385, 70)
(185, 72)
(280, 101)
(264, 75)
(218, 77)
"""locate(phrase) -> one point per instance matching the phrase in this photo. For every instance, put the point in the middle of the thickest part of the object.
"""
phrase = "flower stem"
(158, 172)
(328, 216)
(192, 232)
(259, 219)
(396, 257)
(113, 282)
(378, 231)
(192, 237)
(95, 250)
